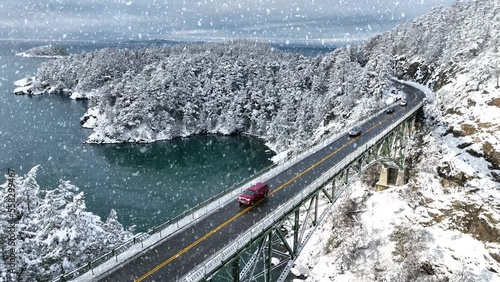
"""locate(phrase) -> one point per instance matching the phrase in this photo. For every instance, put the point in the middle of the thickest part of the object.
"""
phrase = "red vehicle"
(251, 195)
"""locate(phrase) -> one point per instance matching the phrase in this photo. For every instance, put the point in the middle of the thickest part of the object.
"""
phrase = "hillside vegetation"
(444, 225)
(238, 87)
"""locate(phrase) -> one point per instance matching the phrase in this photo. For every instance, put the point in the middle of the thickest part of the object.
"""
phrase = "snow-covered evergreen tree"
(160, 93)
(54, 231)
(228, 88)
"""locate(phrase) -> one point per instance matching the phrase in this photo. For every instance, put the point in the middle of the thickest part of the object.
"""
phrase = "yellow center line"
(190, 246)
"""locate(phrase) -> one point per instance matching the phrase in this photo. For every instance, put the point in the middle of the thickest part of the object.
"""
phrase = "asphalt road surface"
(180, 253)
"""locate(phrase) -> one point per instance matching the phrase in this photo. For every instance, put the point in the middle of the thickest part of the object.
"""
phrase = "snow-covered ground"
(23, 86)
(444, 224)
(392, 241)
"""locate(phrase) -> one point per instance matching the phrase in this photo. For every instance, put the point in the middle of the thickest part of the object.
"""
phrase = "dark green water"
(146, 184)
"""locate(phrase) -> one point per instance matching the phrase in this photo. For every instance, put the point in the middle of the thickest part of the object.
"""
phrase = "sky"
(274, 21)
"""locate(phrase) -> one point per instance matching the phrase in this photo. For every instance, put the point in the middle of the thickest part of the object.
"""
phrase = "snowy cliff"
(444, 225)
(455, 52)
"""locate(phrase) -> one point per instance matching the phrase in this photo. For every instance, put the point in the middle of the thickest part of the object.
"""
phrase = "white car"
(355, 131)
(402, 103)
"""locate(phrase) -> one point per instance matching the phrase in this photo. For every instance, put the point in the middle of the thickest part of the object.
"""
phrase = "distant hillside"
(48, 51)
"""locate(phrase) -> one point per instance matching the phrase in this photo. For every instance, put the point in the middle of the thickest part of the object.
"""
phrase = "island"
(47, 51)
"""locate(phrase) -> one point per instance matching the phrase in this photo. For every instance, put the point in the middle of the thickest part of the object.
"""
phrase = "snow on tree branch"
(54, 231)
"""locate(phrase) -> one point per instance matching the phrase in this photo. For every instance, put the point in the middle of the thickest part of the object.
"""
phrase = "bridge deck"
(181, 252)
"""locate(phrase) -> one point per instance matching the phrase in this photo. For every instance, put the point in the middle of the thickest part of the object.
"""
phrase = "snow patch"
(386, 224)
(24, 86)
(280, 157)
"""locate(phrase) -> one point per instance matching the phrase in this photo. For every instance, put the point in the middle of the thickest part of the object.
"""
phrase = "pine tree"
(54, 232)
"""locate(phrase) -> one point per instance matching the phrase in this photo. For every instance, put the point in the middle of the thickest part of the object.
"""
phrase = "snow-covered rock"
(24, 82)
(77, 96)
(23, 90)
(24, 86)
(89, 120)
(389, 242)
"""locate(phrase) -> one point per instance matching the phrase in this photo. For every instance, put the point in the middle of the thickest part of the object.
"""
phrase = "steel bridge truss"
(271, 255)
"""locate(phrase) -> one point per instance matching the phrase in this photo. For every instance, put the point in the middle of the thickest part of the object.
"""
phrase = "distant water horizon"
(78, 46)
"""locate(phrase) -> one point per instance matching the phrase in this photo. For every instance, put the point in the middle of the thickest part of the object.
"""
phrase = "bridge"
(219, 241)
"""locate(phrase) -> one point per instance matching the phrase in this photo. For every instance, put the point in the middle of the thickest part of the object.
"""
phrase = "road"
(181, 252)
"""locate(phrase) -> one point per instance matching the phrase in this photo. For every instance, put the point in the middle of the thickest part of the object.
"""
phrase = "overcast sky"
(279, 21)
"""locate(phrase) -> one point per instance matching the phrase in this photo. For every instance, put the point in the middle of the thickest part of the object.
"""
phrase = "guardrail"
(215, 202)
(140, 237)
(208, 206)
(218, 259)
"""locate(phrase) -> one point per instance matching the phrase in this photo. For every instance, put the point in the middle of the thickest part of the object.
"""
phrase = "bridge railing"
(220, 258)
(140, 237)
(228, 195)
(208, 206)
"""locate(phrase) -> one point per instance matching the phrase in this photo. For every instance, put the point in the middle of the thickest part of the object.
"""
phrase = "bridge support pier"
(383, 180)
(400, 180)
(389, 176)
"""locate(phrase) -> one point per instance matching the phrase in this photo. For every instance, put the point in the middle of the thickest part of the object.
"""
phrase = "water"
(146, 184)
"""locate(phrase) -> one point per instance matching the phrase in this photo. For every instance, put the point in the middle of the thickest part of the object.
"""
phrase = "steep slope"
(444, 225)
(455, 52)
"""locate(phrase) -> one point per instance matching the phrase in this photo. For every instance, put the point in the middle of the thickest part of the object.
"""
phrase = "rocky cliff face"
(455, 53)
(444, 225)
